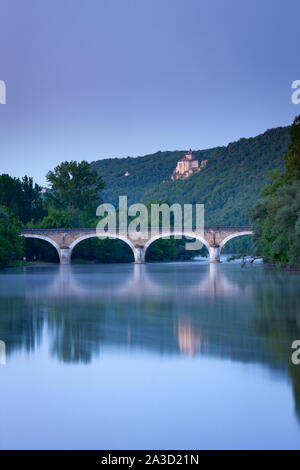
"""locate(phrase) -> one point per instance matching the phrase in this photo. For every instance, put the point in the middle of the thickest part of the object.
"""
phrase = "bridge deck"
(92, 230)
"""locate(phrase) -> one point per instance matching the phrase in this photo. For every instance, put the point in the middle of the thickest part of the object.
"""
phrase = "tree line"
(71, 201)
(276, 216)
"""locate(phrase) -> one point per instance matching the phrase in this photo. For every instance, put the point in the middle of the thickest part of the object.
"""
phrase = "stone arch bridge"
(65, 239)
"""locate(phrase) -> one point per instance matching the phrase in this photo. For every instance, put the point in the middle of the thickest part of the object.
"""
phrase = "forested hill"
(228, 186)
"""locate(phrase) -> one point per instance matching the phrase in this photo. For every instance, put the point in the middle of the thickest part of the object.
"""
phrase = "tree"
(292, 159)
(74, 188)
(32, 203)
(21, 197)
(55, 219)
(11, 244)
(162, 250)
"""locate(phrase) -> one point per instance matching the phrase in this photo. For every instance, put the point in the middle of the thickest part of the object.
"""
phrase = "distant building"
(187, 166)
(43, 191)
(127, 173)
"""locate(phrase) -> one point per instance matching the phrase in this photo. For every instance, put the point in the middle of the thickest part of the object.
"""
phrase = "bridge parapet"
(92, 229)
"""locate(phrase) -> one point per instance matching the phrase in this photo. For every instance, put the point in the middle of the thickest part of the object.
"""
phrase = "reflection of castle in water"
(189, 341)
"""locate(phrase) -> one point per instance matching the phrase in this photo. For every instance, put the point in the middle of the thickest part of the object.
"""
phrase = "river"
(156, 356)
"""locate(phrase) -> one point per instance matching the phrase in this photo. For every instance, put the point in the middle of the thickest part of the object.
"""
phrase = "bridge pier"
(214, 254)
(139, 255)
(65, 255)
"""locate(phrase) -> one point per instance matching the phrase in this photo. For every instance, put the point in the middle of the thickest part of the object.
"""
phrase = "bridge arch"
(45, 238)
(234, 235)
(136, 252)
(172, 234)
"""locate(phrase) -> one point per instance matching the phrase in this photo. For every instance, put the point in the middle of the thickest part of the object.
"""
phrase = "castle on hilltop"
(187, 166)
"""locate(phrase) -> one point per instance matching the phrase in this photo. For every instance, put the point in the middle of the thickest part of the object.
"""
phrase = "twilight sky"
(89, 79)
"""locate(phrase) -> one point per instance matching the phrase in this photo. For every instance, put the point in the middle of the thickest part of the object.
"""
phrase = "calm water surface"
(183, 355)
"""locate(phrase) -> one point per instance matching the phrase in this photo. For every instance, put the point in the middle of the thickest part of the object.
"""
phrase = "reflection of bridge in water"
(65, 240)
(139, 289)
(133, 300)
(187, 308)
(141, 281)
